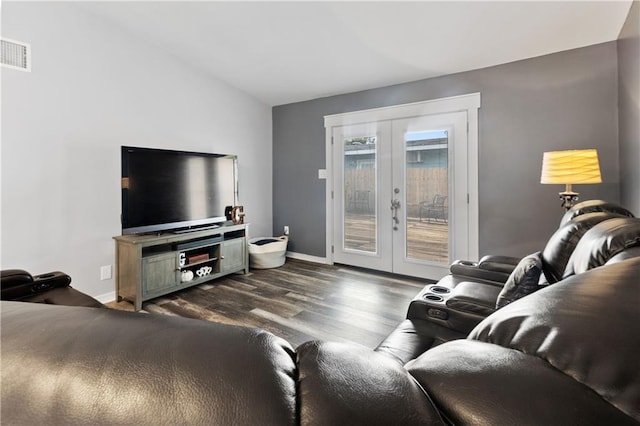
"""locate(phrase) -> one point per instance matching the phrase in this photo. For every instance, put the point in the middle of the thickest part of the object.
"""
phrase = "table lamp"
(569, 168)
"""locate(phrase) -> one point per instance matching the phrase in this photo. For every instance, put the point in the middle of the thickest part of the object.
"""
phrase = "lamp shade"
(571, 167)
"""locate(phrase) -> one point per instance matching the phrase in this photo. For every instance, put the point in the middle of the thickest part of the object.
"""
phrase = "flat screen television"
(166, 190)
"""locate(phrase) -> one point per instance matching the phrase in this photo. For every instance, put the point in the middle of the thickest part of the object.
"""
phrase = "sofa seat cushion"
(412, 337)
(67, 365)
(348, 384)
(584, 326)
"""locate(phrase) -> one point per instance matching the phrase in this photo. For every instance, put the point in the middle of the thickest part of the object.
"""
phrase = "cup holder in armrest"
(467, 263)
(433, 297)
(45, 276)
(459, 307)
(439, 289)
(50, 280)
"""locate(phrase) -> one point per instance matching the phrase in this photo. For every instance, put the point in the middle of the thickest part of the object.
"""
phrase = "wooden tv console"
(149, 266)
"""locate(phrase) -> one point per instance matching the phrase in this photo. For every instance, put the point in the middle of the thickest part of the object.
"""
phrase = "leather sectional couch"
(565, 354)
(591, 234)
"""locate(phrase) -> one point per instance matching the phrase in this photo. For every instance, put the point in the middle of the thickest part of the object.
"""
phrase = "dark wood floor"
(300, 301)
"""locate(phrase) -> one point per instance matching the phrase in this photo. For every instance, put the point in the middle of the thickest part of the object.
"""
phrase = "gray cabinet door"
(159, 273)
(233, 255)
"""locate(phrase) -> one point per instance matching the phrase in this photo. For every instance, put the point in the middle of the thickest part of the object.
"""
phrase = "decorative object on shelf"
(205, 270)
(237, 214)
(568, 168)
(198, 258)
(186, 276)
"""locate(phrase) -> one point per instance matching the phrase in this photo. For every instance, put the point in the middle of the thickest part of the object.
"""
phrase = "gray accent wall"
(629, 109)
(566, 100)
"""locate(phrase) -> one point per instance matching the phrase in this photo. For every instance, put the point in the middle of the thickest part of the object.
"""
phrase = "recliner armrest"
(474, 298)
(492, 268)
(16, 284)
(498, 263)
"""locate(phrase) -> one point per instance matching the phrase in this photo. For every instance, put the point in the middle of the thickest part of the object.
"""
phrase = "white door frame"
(469, 103)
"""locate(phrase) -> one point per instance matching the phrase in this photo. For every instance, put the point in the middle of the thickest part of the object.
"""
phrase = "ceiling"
(285, 52)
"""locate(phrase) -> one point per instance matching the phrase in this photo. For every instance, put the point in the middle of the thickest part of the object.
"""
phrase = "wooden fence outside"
(422, 186)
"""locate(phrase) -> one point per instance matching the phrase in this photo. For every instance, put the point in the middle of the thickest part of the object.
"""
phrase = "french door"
(400, 192)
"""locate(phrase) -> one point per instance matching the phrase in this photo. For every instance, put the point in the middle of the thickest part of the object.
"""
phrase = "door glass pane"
(427, 190)
(360, 164)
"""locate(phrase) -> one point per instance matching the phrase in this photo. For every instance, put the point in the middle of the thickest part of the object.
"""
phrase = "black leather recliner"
(52, 288)
(451, 308)
(495, 269)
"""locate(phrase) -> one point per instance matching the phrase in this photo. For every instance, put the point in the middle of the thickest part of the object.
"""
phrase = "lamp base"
(568, 198)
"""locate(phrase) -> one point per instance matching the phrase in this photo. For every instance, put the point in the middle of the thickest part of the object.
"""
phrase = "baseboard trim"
(107, 297)
(308, 258)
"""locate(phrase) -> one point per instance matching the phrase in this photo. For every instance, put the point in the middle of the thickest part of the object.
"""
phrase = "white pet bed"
(267, 252)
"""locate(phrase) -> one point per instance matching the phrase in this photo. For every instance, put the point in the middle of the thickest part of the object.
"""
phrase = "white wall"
(94, 87)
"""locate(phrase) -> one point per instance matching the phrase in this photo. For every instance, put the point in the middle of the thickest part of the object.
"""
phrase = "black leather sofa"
(590, 235)
(53, 288)
(565, 354)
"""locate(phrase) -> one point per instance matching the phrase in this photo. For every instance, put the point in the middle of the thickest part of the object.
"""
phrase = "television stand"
(149, 266)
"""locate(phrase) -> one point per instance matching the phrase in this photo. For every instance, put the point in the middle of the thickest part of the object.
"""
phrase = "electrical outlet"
(286, 230)
(105, 272)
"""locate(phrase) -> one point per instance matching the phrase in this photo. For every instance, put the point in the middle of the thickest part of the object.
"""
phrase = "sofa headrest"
(602, 242)
(587, 326)
(591, 206)
(563, 242)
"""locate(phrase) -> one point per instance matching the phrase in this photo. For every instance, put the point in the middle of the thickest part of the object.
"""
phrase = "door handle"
(395, 205)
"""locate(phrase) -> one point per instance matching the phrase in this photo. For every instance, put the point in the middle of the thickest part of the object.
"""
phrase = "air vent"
(15, 54)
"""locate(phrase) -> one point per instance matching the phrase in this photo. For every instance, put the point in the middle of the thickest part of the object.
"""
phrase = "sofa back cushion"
(628, 253)
(477, 383)
(592, 206)
(560, 246)
(601, 243)
(587, 327)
